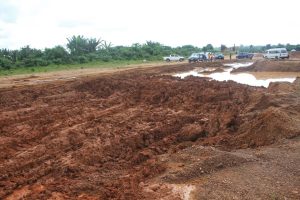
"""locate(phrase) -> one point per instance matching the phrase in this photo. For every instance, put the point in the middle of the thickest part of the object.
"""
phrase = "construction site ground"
(143, 134)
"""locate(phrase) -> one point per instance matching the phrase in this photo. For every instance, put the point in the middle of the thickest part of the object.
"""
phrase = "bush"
(57, 61)
(82, 59)
(41, 62)
(5, 63)
(105, 58)
(92, 56)
(28, 62)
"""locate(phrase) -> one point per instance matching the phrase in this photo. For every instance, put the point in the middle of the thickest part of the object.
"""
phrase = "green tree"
(29, 57)
(57, 55)
(223, 47)
(79, 45)
(208, 48)
(5, 63)
(268, 46)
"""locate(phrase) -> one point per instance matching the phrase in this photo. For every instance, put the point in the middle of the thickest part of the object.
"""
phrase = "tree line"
(80, 49)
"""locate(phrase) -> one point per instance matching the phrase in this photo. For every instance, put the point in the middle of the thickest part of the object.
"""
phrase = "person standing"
(230, 56)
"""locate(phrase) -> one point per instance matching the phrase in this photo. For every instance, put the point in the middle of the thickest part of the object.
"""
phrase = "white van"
(276, 53)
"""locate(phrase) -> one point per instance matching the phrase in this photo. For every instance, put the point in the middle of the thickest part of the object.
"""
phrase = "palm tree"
(79, 45)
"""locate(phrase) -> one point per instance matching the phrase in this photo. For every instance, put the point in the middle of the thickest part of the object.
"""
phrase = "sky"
(47, 23)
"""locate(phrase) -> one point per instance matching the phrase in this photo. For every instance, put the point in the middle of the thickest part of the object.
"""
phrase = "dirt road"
(138, 134)
(63, 75)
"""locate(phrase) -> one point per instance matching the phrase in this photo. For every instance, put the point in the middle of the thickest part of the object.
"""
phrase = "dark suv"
(244, 55)
(219, 56)
(197, 57)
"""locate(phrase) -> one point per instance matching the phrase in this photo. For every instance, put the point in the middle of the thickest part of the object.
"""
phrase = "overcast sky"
(46, 23)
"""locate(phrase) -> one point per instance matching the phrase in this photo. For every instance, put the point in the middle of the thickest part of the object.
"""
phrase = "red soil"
(99, 138)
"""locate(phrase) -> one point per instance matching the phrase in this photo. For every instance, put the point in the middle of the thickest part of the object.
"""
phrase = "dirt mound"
(271, 66)
(267, 127)
(196, 161)
(273, 116)
(101, 137)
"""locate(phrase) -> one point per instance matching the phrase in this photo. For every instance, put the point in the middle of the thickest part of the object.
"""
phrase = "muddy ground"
(138, 134)
(272, 66)
(262, 65)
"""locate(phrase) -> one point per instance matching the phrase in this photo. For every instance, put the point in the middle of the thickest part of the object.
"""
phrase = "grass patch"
(52, 68)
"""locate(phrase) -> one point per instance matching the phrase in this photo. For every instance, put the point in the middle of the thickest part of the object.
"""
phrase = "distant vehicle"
(219, 56)
(197, 57)
(293, 50)
(173, 57)
(244, 55)
(276, 53)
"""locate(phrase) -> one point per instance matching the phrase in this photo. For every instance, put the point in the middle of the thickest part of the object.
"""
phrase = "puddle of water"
(243, 78)
(186, 74)
(237, 65)
(248, 79)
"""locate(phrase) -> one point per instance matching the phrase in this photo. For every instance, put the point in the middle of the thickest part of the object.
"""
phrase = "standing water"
(243, 78)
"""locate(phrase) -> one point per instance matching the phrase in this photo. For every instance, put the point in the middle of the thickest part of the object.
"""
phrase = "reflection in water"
(244, 78)
(237, 65)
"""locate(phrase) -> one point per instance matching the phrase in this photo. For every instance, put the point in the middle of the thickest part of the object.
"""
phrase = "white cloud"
(46, 23)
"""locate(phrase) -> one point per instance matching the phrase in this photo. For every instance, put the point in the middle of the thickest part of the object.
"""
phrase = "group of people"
(211, 57)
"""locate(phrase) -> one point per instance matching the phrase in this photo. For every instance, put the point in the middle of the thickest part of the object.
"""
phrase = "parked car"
(219, 56)
(276, 53)
(173, 57)
(244, 55)
(197, 57)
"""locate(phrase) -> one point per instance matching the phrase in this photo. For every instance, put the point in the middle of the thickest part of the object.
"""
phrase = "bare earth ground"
(261, 65)
(136, 134)
(272, 66)
(38, 78)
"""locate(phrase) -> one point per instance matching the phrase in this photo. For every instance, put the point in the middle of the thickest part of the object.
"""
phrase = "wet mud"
(106, 137)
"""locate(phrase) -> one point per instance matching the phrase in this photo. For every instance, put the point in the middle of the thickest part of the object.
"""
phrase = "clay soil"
(262, 65)
(139, 134)
(272, 66)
